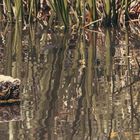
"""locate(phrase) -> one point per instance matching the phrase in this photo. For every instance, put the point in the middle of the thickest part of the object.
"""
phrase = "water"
(75, 86)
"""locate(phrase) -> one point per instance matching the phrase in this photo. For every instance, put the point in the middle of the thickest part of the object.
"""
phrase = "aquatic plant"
(69, 13)
(62, 9)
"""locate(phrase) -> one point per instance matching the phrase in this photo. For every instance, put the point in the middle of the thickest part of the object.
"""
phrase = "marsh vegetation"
(83, 13)
(79, 83)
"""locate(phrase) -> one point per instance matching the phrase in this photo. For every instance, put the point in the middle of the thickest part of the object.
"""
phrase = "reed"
(126, 10)
(83, 14)
(68, 13)
(61, 8)
(1, 9)
(108, 12)
(114, 12)
(92, 10)
(33, 9)
(8, 9)
(18, 10)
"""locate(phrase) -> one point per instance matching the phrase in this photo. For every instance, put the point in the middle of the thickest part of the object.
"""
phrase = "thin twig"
(92, 22)
(95, 31)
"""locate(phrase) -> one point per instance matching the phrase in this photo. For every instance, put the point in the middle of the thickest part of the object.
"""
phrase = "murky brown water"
(74, 87)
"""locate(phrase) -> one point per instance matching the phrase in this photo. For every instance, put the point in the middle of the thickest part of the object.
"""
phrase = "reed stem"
(126, 10)
(18, 10)
(68, 12)
(7, 5)
(108, 12)
(94, 11)
(114, 12)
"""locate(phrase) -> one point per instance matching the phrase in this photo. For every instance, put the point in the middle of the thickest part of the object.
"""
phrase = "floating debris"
(9, 89)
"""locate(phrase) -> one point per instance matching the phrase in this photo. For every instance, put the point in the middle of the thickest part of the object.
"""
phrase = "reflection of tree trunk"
(80, 85)
(8, 64)
(90, 82)
(78, 114)
(109, 115)
(18, 50)
(45, 87)
(4, 131)
(30, 78)
(16, 71)
(12, 130)
(80, 118)
(132, 111)
(89, 74)
(108, 54)
(83, 116)
(130, 81)
(112, 84)
(53, 90)
(53, 95)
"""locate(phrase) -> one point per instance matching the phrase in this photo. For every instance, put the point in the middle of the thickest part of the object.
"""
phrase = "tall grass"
(8, 9)
(114, 12)
(126, 10)
(18, 10)
(1, 11)
(92, 10)
(107, 12)
(62, 9)
(33, 9)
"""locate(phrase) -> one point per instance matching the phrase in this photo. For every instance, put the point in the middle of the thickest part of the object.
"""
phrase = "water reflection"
(74, 87)
(10, 113)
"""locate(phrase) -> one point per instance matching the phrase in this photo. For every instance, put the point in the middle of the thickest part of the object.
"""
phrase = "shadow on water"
(74, 87)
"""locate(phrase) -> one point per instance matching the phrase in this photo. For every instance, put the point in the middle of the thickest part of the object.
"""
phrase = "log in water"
(9, 89)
